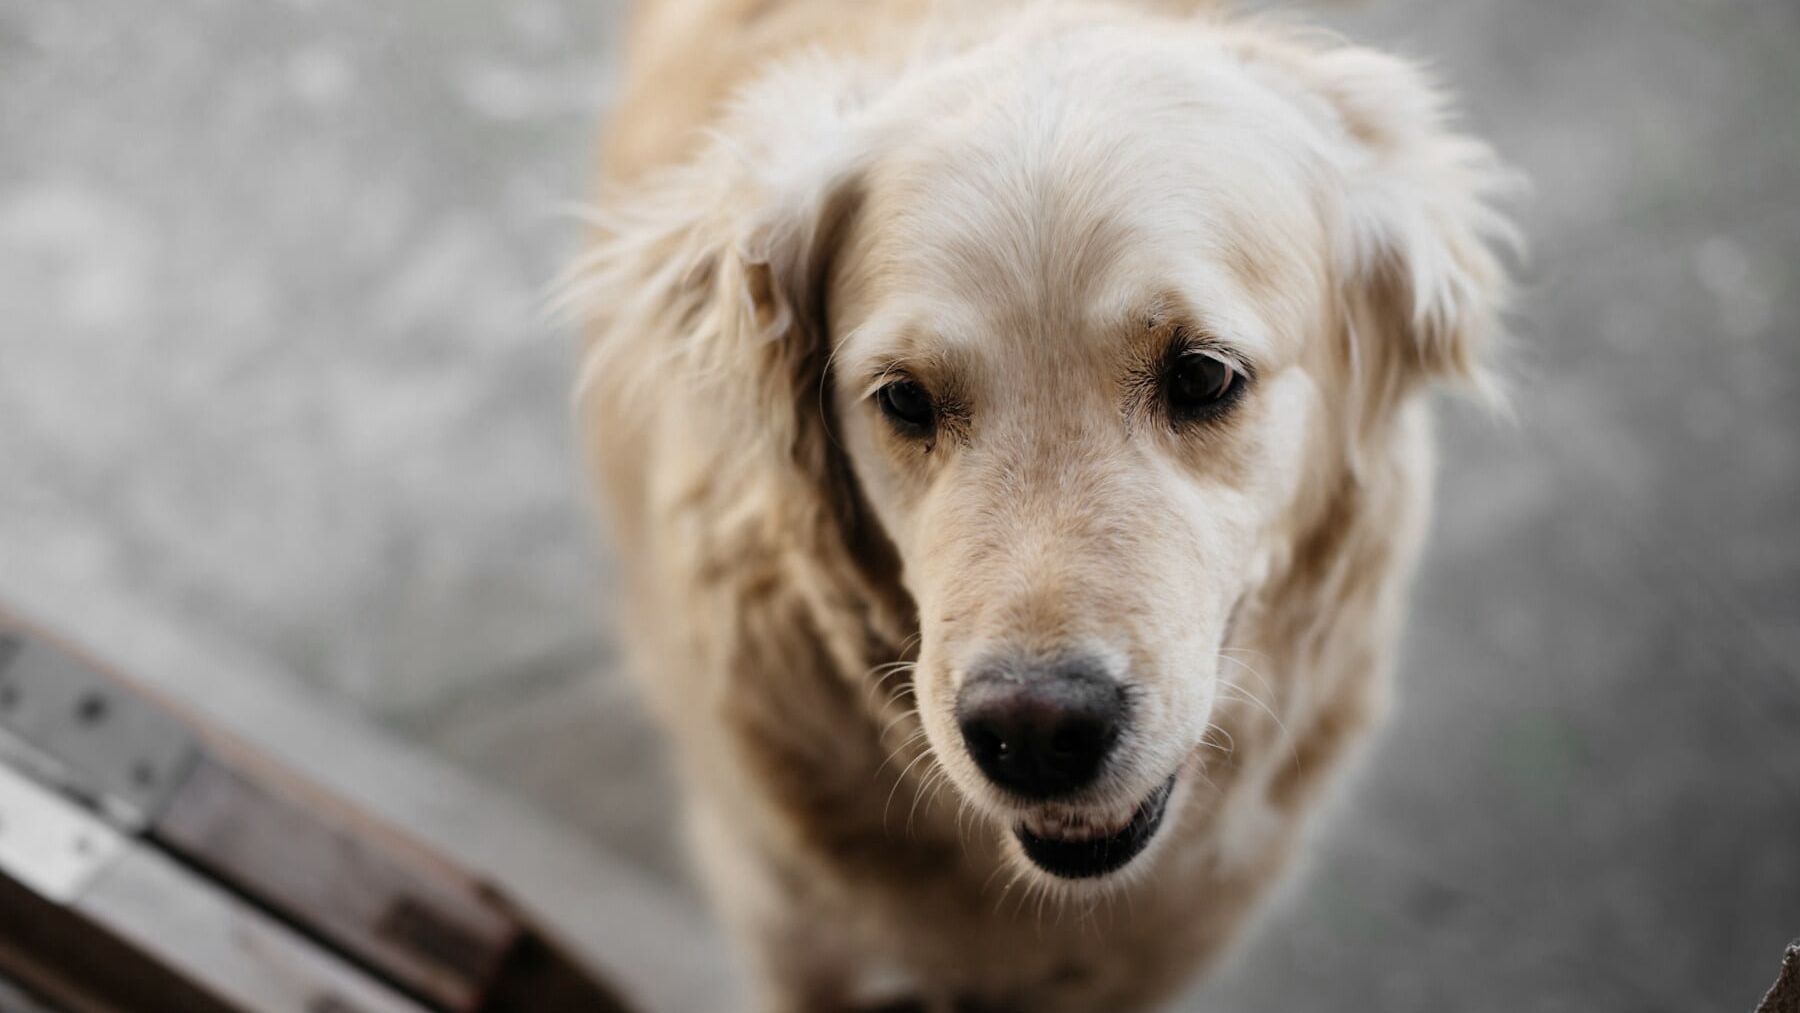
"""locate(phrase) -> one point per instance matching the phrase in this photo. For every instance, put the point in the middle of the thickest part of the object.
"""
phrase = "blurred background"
(273, 385)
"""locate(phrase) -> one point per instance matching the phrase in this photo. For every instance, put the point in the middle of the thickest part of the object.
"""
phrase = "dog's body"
(781, 546)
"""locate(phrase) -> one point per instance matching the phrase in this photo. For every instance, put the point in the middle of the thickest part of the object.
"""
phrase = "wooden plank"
(341, 877)
(330, 870)
(541, 977)
(316, 868)
(247, 959)
(122, 926)
(78, 966)
(51, 851)
(14, 999)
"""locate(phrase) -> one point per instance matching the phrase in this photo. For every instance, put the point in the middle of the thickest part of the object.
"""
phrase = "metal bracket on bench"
(74, 730)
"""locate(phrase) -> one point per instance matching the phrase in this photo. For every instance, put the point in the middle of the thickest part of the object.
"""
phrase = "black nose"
(1044, 732)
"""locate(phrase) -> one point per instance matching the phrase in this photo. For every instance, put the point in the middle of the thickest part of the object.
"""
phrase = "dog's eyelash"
(881, 377)
(1187, 341)
(1182, 351)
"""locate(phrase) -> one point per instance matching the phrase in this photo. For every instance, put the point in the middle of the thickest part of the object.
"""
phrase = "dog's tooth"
(1062, 822)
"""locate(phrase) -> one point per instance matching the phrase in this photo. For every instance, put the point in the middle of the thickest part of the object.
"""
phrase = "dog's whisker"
(1200, 768)
(897, 783)
(935, 781)
(886, 671)
(1247, 693)
(962, 829)
(910, 712)
(1023, 897)
(1245, 666)
(919, 788)
(888, 729)
(878, 701)
(1230, 746)
(1281, 726)
(987, 884)
(878, 675)
(1007, 888)
(897, 751)
(1089, 922)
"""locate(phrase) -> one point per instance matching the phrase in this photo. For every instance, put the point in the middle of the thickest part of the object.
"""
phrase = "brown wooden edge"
(76, 965)
(379, 897)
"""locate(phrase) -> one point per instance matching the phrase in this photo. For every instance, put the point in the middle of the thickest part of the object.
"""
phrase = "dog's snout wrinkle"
(1043, 732)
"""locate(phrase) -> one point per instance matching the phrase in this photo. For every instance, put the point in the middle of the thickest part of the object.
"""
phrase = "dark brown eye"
(1200, 385)
(908, 406)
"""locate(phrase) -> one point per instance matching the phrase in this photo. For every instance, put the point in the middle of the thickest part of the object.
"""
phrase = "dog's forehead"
(1072, 213)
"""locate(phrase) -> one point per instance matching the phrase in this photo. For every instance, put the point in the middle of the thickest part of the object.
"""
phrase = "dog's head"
(1073, 320)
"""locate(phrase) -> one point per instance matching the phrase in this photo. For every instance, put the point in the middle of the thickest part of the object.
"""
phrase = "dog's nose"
(1042, 733)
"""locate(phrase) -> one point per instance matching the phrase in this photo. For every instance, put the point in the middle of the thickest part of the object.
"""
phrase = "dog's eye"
(1200, 385)
(908, 406)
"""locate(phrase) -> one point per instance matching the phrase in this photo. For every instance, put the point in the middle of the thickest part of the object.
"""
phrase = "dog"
(1013, 421)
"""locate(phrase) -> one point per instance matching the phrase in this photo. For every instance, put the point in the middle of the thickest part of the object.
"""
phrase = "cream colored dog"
(1012, 421)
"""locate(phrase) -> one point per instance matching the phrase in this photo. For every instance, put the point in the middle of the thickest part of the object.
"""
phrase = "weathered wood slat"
(247, 959)
(249, 889)
(138, 931)
(14, 1000)
(80, 967)
(339, 876)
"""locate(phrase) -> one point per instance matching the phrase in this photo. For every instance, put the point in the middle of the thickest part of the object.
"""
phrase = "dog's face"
(1071, 379)
(1082, 316)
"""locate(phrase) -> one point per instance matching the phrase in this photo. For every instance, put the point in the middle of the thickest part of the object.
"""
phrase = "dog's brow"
(1222, 323)
(882, 372)
(914, 357)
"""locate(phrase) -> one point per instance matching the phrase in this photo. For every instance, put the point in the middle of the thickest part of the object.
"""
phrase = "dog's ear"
(1419, 223)
(1415, 222)
(712, 272)
(712, 277)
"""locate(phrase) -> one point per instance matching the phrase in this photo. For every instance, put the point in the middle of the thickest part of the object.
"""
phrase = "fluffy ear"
(1415, 222)
(712, 272)
(703, 295)
(1419, 224)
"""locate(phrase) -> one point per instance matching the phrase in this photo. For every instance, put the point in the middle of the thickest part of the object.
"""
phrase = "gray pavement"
(270, 375)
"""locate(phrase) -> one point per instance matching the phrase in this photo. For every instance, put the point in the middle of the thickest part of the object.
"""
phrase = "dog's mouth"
(1072, 846)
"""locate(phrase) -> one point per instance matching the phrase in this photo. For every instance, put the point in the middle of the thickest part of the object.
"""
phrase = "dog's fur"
(1018, 206)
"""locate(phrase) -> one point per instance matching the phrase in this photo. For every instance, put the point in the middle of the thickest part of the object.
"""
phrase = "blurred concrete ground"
(269, 372)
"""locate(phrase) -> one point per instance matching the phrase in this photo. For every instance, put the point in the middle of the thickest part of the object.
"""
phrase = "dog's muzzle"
(1042, 735)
